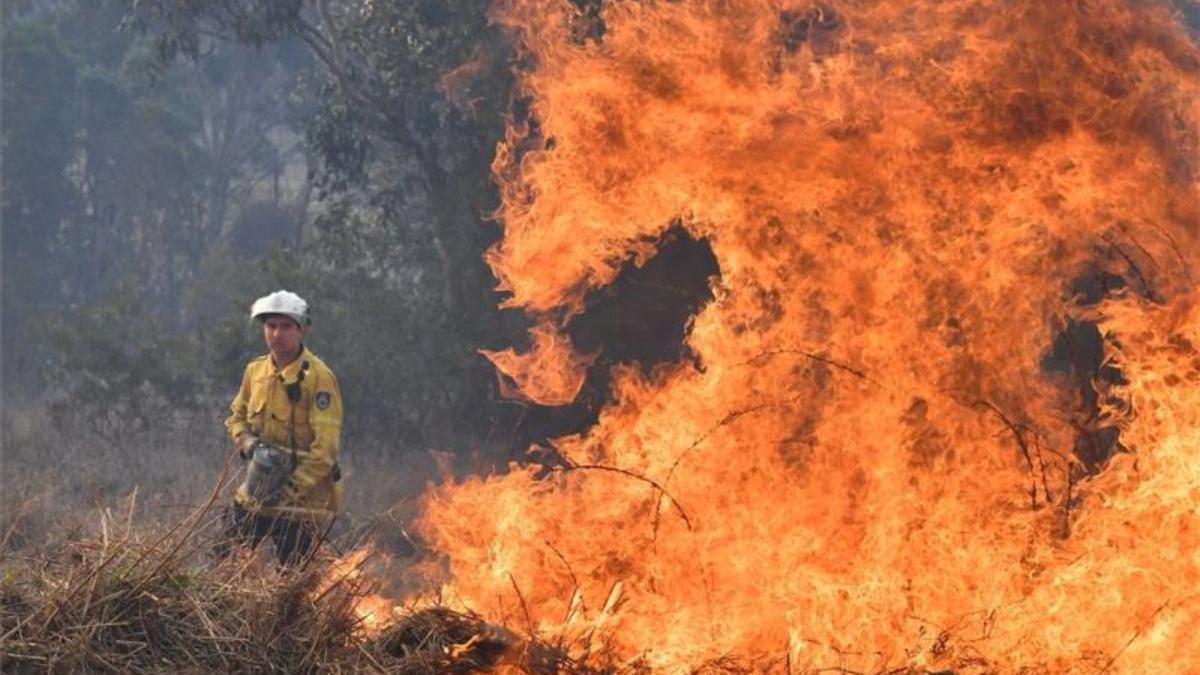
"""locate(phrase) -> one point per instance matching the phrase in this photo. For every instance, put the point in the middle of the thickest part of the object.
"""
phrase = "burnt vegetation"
(132, 605)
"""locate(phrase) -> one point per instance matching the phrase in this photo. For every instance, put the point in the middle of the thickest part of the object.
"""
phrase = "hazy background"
(166, 163)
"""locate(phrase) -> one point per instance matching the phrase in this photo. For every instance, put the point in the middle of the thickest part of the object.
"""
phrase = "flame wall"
(871, 469)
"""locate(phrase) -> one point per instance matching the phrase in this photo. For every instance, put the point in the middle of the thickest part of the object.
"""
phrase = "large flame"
(871, 467)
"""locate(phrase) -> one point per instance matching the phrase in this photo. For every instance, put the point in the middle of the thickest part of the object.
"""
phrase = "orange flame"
(550, 373)
(873, 469)
(374, 612)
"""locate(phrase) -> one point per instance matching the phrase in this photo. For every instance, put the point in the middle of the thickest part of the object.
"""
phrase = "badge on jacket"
(323, 399)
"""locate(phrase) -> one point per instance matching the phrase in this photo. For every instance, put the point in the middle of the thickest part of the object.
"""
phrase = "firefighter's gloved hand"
(246, 444)
(286, 494)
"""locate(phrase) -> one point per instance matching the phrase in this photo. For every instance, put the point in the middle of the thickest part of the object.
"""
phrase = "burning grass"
(132, 601)
(136, 602)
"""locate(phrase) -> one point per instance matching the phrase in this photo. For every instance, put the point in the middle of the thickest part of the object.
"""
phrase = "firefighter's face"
(283, 338)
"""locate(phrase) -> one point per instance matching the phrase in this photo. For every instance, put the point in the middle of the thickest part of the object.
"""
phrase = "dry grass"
(136, 602)
(129, 601)
(99, 574)
(59, 479)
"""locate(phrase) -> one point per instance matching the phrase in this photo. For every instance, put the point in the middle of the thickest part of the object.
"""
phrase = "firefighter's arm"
(325, 418)
(238, 424)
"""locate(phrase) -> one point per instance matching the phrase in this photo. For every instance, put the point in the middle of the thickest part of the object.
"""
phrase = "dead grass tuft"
(133, 602)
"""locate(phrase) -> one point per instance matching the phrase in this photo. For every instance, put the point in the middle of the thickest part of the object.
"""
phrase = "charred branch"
(815, 357)
(1021, 443)
(649, 481)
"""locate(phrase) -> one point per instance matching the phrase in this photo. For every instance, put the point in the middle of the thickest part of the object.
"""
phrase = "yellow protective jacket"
(312, 425)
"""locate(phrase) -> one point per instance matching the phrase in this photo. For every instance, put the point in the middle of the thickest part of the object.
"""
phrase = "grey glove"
(246, 444)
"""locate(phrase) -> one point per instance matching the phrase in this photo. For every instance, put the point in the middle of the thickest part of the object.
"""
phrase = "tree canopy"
(167, 162)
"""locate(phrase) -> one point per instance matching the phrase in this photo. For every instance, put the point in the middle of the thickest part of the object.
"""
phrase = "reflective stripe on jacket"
(311, 425)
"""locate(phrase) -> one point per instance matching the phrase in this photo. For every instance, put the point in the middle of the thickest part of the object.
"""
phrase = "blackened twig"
(1037, 444)
(1135, 636)
(524, 606)
(815, 357)
(571, 572)
(1151, 294)
(1020, 442)
(663, 491)
(727, 419)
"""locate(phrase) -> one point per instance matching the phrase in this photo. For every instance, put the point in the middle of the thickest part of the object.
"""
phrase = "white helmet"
(282, 302)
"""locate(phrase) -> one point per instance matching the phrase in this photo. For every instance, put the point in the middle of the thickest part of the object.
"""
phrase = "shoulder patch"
(323, 399)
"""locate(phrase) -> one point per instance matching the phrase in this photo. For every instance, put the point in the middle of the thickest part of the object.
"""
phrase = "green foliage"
(117, 167)
(38, 83)
(121, 370)
(182, 25)
(412, 99)
(209, 151)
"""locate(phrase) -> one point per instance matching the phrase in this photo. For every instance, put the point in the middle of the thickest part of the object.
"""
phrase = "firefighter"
(285, 420)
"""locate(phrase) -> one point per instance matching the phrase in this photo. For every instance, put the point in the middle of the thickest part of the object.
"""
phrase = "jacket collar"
(289, 372)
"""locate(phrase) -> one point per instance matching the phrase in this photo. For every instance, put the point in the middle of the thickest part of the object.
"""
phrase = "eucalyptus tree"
(413, 99)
